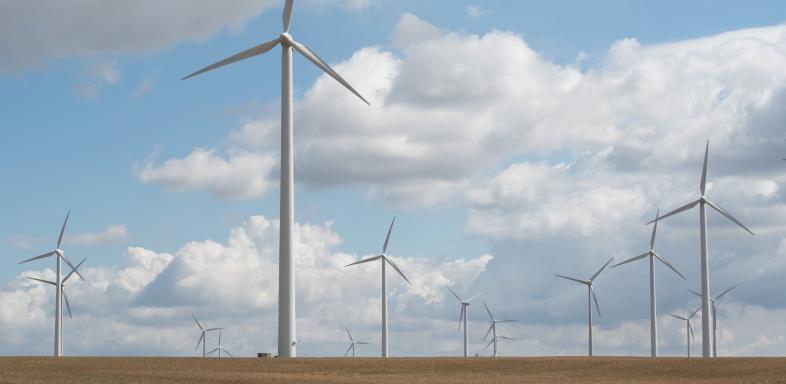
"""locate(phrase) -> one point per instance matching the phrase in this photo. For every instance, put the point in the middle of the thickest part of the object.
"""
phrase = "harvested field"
(394, 370)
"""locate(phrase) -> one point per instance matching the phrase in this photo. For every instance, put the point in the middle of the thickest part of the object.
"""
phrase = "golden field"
(394, 370)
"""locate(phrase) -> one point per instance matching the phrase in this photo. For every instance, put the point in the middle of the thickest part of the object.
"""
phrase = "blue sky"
(93, 113)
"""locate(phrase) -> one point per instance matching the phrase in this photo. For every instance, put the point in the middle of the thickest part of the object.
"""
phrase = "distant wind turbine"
(714, 317)
(688, 327)
(219, 349)
(385, 260)
(58, 285)
(463, 317)
(203, 336)
(706, 315)
(287, 339)
(590, 297)
(652, 256)
(493, 329)
(353, 343)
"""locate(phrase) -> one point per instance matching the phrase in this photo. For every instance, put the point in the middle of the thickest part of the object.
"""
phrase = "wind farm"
(509, 146)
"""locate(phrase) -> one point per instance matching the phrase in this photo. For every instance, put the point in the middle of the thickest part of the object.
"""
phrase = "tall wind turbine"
(219, 349)
(352, 343)
(706, 315)
(688, 328)
(60, 254)
(463, 317)
(493, 329)
(287, 339)
(652, 256)
(715, 318)
(63, 290)
(590, 297)
(385, 260)
(203, 336)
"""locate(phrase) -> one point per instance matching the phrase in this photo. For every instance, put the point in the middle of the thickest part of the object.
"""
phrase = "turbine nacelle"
(286, 39)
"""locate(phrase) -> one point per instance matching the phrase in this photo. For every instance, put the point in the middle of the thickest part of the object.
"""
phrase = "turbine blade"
(690, 328)
(704, 169)
(676, 211)
(363, 342)
(694, 312)
(255, 51)
(349, 334)
(227, 352)
(62, 230)
(213, 351)
(473, 298)
(68, 261)
(387, 237)
(728, 215)
(679, 317)
(489, 344)
(461, 316)
(349, 349)
(213, 329)
(392, 264)
(726, 291)
(654, 230)
(38, 257)
(370, 259)
(505, 338)
(694, 292)
(454, 293)
(287, 16)
(219, 339)
(65, 298)
(74, 270)
(576, 280)
(489, 331)
(666, 262)
(201, 337)
(197, 322)
(634, 258)
(311, 56)
(41, 280)
(600, 270)
(595, 298)
(488, 310)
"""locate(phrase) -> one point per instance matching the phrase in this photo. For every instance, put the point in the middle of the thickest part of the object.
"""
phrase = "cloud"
(113, 234)
(99, 76)
(145, 87)
(475, 11)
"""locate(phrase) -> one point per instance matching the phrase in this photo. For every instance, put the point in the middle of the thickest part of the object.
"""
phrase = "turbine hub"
(286, 39)
(59, 251)
(702, 199)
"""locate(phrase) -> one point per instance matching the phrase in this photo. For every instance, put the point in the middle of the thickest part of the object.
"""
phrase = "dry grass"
(397, 370)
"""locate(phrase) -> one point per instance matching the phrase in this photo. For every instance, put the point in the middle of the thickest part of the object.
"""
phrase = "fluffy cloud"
(101, 75)
(113, 234)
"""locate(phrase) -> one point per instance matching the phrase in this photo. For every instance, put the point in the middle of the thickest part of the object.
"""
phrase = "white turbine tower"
(353, 343)
(287, 339)
(58, 286)
(203, 336)
(688, 327)
(715, 318)
(590, 297)
(63, 290)
(463, 317)
(219, 349)
(706, 315)
(385, 260)
(653, 312)
(493, 329)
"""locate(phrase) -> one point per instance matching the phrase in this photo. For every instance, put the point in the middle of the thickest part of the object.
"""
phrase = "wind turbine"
(688, 327)
(203, 337)
(352, 343)
(219, 349)
(287, 340)
(714, 317)
(385, 260)
(463, 317)
(493, 329)
(590, 297)
(706, 316)
(58, 285)
(652, 256)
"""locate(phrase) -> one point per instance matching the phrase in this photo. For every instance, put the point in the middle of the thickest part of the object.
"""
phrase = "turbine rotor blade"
(65, 298)
(392, 264)
(694, 312)
(703, 184)
(68, 261)
(213, 329)
(387, 237)
(201, 337)
(286, 18)
(370, 259)
(349, 334)
(311, 56)
(227, 352)
(572, 279)
(666, 262)
(255, 51)
(654, 230)
(489, 331)
(488, 310)
(694, 292)
(62, 230)
(454, 294)
(472, 298)
(725, 292)
(213, 351)
(690, 328)
(38, 257)
(595, 298)
(197, 322)
(349, 349)
(461, 316)
(600, 270)
(679, 317)
(728, 215)
(489, 344)
(41, 280)
(676, 211)
(634, 258)
(74, 270)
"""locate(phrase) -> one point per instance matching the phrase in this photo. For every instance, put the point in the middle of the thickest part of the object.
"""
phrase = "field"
(395, 370)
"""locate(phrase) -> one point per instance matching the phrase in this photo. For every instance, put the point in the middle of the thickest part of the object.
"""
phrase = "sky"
(513, 140)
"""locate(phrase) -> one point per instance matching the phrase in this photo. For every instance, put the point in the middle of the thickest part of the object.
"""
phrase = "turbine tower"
(287, 339)
(590, 297)
(385, 260)
(653, 312)
(715, 318)
(352, 343)
(493, 329)
(65, 297)
(688, 327)
(463, 317)
(58, 285)
(702, 202)
(219, 349)
(203, 336)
